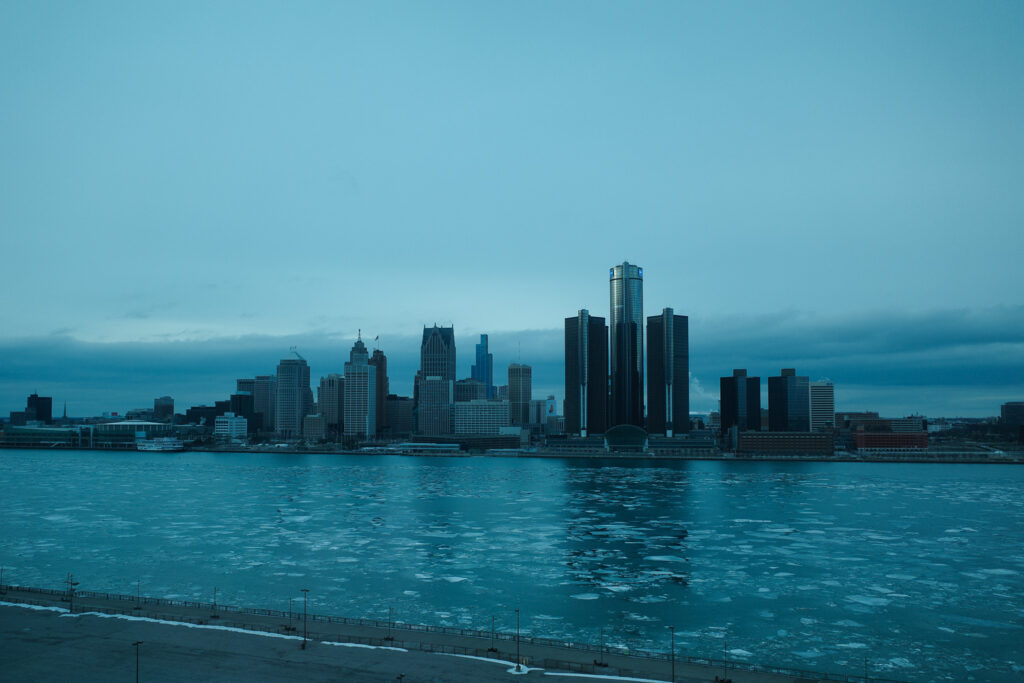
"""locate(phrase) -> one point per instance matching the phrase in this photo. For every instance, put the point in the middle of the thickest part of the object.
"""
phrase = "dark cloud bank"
(954, 362)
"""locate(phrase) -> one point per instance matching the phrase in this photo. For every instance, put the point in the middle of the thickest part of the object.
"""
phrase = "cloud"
(952, 362)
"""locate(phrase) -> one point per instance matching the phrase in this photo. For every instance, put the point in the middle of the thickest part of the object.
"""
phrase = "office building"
(586, 374)
(520, 391)
(626, 328)
(230, 427)
(379, 362)
(483, 369)
(39, 409)
(264, 397)
(1011, 413)
(163, 408)
(245, 384)
(668, 374)
(740, 402)
(470, 389)
(360, 398)
(789, 402)
(330, 402)
(241, 404)
(294, 397)
(435, 382)
(314, 427)
(823, 406)
(481, 417)
(400, 422)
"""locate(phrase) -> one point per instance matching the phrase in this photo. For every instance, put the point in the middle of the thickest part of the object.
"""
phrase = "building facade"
(264, 397)
(399, 409)
(379, 362)
(520, 391)
(483, 369)
(481, 417)
(163, 408)
(823, 406)
(294, 398)
(740, 402)
(626, 328)
(360, 403)
(668, 374)
(586, 374)
(435, 382)
(789, 402)
(230, 427)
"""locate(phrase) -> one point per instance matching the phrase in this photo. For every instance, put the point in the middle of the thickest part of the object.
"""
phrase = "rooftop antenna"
(295, 350)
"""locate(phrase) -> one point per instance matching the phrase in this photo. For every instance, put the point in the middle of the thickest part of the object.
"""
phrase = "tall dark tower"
(668, 374)
(586, 374)
(627, 344)
(379, 362)
(483, 369)
(741, 402)
(434, 391)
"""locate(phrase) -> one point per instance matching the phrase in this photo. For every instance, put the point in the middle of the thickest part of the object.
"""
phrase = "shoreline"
(925, 457)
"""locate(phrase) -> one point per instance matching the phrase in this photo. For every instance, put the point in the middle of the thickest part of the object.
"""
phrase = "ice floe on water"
(585, 596)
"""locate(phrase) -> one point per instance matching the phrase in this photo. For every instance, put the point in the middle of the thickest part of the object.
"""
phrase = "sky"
(189, 189)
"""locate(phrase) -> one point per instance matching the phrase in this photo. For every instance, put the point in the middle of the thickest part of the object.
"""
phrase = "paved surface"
(43, 645)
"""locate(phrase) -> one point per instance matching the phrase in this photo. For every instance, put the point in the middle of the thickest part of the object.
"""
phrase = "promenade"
(232, 643)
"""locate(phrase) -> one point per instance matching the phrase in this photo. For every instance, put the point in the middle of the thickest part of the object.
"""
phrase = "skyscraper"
(520, 391)
(330, 402)
(626, 325)
(823, 406)
(586, 374)
(264, 397)
(435, 391)
(379, 362)
(668, 374)
(360, 400)
(741, 402)
(294, 397)
(483, 369)
(789, 403)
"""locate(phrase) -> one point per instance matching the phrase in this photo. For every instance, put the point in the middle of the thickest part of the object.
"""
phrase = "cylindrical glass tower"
(626, 327)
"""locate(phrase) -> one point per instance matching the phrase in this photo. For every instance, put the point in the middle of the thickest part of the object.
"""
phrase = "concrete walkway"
(55, 642)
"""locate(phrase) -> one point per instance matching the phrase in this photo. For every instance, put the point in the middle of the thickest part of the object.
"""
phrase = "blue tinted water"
(918, 568)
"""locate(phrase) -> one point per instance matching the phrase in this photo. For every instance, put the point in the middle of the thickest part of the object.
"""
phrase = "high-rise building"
(435, 390)
(294, 397)
(163, 408)
(399, 415)
(360, 399)
(330, 402)
(626, 326)
(245, 384)
(39, 408)
(242, 405)
(379, 362)
(480, 417)
(483, 369)
(668, 373)
(789, 403)
(741, 402)
(520, 391)
(586, 374)
(264, 398)
(823, 406)
(1011, 413)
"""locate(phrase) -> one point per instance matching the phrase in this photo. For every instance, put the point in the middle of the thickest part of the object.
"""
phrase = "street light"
(672, 630)
(3, 591)
(305, 594)
(138, 594)
(389, 636)
(136, 644)
(492, 648)
(725, 659)
(215, 600)
(70, 581)
(518, 667)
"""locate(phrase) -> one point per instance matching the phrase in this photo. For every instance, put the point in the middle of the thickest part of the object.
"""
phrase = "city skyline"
(192, 179)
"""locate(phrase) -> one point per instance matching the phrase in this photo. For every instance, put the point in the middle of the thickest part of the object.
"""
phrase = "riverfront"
(914, 568)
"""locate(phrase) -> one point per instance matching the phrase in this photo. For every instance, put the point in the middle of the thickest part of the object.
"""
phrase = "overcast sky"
(189, 189)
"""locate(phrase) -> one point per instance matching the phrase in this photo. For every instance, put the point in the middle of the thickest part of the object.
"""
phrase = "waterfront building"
(785, 443)
(163, 408)
(1011, 414)
(37, 409)
(520, 390)
(230, 427)
(481, 417)
(626, 327)
(740, 402)
(241, 404)
(789, 403)
(294, 397)
(399, 410)
(379, 362)
(483, 369)
(668, 374)
(470, 389)
(586, 374)
(434, 387)
(360, 402)
(330, 401)
(823, 406)
(314, 427)
(264, 397)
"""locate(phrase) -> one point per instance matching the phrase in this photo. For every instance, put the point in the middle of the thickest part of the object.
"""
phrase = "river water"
(913, 570)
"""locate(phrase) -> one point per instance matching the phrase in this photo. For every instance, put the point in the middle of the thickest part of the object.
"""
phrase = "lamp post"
(865, 669)
(518, 667)
(71, 592)
(290, 611)
(725, 659)
(672, 630)
(388, 636)
(137, 643)
(214, 602)
(601, 648)
(305, 594)
(492, 648)
(138, 594)
(3, 591)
